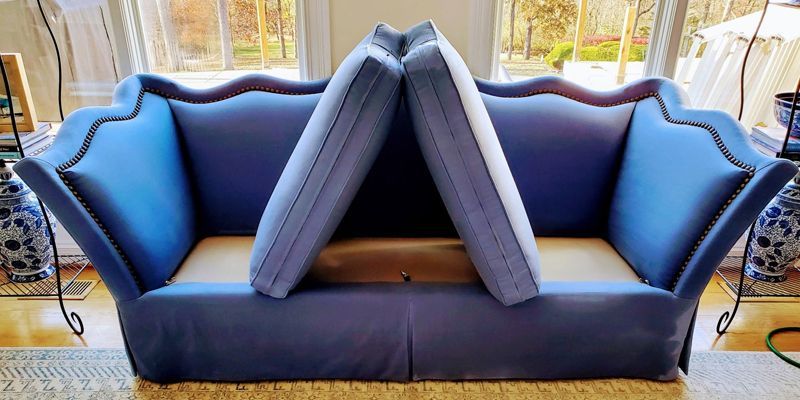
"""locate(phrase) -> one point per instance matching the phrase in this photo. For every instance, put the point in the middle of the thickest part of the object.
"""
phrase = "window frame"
(312, 26)
(662, 50)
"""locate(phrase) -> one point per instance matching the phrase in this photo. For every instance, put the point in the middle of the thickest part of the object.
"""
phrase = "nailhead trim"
(662, 105)
(665, 113)
(136, 109)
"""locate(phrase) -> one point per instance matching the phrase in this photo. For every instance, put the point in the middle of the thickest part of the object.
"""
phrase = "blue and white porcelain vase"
(775, 244)
(25, 250)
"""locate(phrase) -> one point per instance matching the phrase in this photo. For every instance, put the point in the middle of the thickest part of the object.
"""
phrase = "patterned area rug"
(104, 374)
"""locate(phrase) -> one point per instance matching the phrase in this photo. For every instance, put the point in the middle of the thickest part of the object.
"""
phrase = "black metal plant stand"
(730, 273)
(73, 319)
(790, 288)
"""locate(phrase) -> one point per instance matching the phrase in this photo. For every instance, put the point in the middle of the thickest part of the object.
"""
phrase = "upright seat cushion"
(467, 163)
(329, 163)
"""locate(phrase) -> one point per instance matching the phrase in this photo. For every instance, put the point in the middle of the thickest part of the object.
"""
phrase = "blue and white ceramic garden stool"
(775, 244)
(25, 250)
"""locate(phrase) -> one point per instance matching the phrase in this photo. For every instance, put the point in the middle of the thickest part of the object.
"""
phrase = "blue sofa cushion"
(464, 155)
(329, 163)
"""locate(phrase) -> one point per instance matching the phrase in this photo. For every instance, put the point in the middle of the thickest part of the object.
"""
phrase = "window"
(206, 42)
(538, 38)
(715, 38)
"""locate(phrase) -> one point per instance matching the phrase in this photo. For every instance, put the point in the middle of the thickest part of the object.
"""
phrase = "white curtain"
(85, 37)
(713, 79)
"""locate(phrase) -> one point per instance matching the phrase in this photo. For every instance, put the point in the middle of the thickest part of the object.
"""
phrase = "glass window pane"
(715, 38)
(538, 39)
(206, 42)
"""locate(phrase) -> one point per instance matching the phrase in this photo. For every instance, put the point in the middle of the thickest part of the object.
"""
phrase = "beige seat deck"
(227, 259)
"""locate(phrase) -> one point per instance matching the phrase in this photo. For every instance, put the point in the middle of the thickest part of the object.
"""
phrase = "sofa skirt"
(405, 331)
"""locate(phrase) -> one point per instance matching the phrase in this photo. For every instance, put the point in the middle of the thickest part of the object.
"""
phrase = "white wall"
(65, 243)
(351, 20)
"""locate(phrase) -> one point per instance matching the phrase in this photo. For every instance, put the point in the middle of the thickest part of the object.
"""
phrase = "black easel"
(73, 319)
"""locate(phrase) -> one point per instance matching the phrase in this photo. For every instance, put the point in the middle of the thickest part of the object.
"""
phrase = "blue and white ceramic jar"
(775, 244)
(25, 250)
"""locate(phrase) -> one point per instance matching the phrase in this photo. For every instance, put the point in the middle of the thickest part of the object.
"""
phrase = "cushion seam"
(305, 179)
(496, 192)
(361, 154)
(441, 161)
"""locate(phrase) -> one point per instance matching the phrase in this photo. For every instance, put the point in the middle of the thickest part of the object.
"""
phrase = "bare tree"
(641, 10)
(170, 38)
(225, 34)
(726, 11)
(551, 17)
(511, 20)
(528, 37)
(280, 30)
(706, 12)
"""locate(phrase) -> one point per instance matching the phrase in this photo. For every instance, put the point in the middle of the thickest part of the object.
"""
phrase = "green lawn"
(519, 66)
(246, 56)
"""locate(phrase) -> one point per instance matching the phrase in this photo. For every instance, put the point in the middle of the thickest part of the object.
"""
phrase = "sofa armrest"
(115, 179)
(689, 185)
(765, 184)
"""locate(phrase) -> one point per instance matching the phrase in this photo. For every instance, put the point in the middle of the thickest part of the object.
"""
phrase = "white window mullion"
(486, 27)
(665, 39)
(313, 38)
(128, 37)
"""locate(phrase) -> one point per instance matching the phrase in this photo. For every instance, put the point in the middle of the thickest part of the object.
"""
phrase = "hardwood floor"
(38, 323)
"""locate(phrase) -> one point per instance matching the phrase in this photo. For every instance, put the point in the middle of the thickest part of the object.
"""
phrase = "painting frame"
(21, 91)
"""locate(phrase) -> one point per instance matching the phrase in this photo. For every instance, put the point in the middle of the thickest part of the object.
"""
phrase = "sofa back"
(398, 198)
(236, 149)
(564, 155)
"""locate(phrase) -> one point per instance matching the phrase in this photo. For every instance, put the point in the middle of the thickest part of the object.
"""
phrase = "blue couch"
(633, 196)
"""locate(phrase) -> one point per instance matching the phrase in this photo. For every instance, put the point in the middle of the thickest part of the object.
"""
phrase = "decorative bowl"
(782, 108)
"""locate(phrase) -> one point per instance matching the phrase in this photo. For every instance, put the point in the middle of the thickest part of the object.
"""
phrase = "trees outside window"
(218, 35)
(538, 35)
(702, 14)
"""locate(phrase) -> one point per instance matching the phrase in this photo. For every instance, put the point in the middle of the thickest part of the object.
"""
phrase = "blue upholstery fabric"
(388, 331)
(676, 181)
(120, 181)
(233, 135)
(131, 176)
(657, 186)
(332, 158)
(467, 163)
(134, 184)
(570, 330)
(688, 183)
(230, 332)
(770, 176)
(546, 134)
(118, 184)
